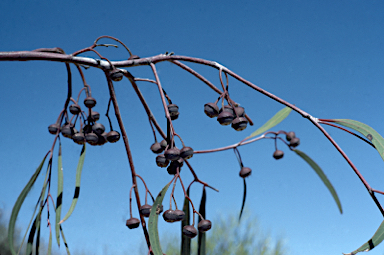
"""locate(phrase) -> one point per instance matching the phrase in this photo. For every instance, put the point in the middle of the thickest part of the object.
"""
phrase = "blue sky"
(325, 57)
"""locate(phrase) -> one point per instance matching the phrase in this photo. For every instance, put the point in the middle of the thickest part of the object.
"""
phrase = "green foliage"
(228, 236)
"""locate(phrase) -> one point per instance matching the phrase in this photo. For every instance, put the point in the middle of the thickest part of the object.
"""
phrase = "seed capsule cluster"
(227, 115)
(91, 131)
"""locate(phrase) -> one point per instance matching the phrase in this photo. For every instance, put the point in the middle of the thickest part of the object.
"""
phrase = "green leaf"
(322, 176)
(377, 238)
(185, 241)
(59, 199)
(42, 195)
(65, 241)
(19, 202)
(50, 243)
(276, 119)
(77, 188)
(201, 239)
(244, 196)
(367, 131)
(152, 222)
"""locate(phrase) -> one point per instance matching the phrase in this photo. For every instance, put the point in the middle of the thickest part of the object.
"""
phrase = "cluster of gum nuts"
(92, 132)
(170, 216)
(278, 154)
(228, 114)
(172, 158)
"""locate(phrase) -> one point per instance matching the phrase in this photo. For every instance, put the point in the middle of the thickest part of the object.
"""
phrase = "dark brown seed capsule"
(132, 223)
(75, 109)
(173, 215)
(98, 128)
(239, 110)
(278, 154)
(164, 144)
(102, 138)
(145, 210)
(89, 102)
(67, 130)
(290, 136)
(91, 138)
(245, 172)
(116, 75)
(172, 168)
(87, 129)
(186, 152)
(204, 225)
(240, 123)
(294, 142)
(227, 108)
(53, 128)
(156, 148)
(211, 110)
(189, 231)
(225, 118)
(173, 111)
(113, 136)
(95, 116)
(78, 138)
(161, 161)
(172, 154)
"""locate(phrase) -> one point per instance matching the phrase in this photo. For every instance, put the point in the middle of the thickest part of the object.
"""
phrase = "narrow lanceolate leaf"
(377, 238)
(244, 196)
(185, 241)
(276, 119)
(50, 243)
(322, 176)
(201, 236)
(39, 201)
(59, 198)
(367, 131)
(19, 202)
(77, 188)
(35, 227)
(65, 241)
(152, 222)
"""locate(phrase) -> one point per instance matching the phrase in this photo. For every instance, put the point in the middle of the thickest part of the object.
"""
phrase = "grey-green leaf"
(276, 119)
(201, 239)
(185, 241)
(367, 131)
(377, 238)
(153, 220)
(59, 198)
(77, 188)
(322, 176)
(19, 202)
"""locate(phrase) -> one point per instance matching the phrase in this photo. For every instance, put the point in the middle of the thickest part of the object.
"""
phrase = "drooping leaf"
(77, 188)
(185, 241)
(32, 235)
(367, 131)
(201, 239)
(39, 201)
(244, 196)
(65, 241)
(153, 220)
(59, 198)
(37, 245)
(377, 238)
(322, 176)
(19, 202)
(35, 228)
(50, 243)
(276, 119)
